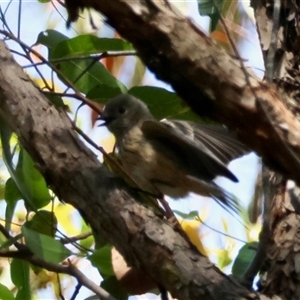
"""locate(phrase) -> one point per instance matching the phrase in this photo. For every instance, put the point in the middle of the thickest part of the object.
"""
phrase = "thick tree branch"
(74, 173)
(212, 82)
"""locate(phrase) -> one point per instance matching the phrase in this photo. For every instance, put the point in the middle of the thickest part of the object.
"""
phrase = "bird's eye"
(122, 110)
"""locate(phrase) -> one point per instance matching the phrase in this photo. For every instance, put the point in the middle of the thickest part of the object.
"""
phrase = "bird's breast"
(136, 154)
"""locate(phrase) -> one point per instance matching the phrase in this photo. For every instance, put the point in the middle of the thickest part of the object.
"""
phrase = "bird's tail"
(224, 199)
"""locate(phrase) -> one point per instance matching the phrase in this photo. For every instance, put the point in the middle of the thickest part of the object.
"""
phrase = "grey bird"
(171, 157)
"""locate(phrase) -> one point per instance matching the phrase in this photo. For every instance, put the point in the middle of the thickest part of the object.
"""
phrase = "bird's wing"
(194, 157)
(215, 139)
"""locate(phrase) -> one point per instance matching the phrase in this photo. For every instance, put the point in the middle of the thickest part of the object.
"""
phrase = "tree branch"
(73, 172)
(212, 82)
(25, 254)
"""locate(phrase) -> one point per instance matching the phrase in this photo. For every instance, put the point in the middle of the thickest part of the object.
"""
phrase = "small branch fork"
(24, 253)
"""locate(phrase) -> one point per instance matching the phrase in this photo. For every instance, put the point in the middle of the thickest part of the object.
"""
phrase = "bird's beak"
(106, 120)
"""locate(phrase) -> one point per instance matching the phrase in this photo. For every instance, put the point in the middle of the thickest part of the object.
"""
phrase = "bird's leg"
(168, 211)
(171, 217)
(169, 214)
(161, 198)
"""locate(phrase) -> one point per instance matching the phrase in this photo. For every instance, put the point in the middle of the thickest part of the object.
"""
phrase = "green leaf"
(44, 222)
(45, 247)
(19, 272)
(5, 244)
(32, 182)
(84, 73)
(101, 259)
(6, 134)
(101, 93)
(243, 259)
(56, 100)
(11, 195)
(208, 8)
(27, 179)
(89, 44)
(113, 287)
(87, 73)
(5, 293)
(190, 216)
(163, 103)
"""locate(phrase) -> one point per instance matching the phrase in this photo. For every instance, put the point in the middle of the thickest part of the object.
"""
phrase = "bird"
(171, 157)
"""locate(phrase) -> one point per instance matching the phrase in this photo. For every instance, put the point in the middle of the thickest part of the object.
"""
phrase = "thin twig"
(76, 291)
(57, 10)
(23, 45)
(70, 95)
(88, 102)
(5, 25)
(59, 287)
(25, 254)
(18, 53)
(80, 57)
(89, 284)
(84, 71)
(198, 218)
(76, 238)
(61, 3)
(18, 245)
(19, 18)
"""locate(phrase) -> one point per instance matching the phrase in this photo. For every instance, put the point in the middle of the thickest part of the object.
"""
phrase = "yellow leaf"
(191, 228)
(63, 213)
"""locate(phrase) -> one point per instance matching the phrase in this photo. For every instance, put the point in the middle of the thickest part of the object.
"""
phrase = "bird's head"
(122, 113)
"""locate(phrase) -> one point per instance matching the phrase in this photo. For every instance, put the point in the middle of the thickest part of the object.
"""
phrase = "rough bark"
(77, 177)
(206, 77)
(280, 274)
